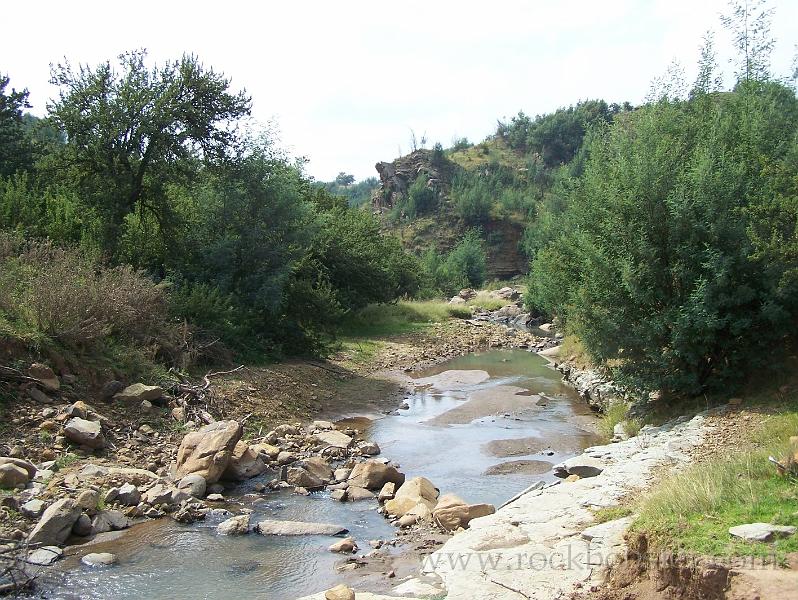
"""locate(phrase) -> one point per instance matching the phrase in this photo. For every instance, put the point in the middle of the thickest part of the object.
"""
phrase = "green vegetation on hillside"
(673, 255)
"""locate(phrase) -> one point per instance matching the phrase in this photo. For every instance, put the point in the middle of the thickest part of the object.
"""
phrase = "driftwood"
(15, 573)
(198, 399)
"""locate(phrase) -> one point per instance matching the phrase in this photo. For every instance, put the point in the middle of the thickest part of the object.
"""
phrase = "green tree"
(130, 132)
(15, 150)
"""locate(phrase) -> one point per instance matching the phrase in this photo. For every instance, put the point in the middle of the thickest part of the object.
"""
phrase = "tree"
(749, 23)
(15, 151)
(132, 131)
(344, 179)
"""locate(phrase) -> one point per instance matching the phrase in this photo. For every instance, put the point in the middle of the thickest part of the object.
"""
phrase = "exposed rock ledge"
(545, 544)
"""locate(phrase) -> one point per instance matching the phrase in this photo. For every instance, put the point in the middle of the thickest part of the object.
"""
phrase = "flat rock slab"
(99, 559)
(334, 438)
(44, 556)
(273, 527)
(454, 379)
(761, 532)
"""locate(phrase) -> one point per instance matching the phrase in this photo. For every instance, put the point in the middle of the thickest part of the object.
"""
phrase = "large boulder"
(272, 527)
(56, 523)
(333, 438)
(452, 512)
(207, 452)
(85, 433)
(138, 392)
(245, 463)
(418, 490)
(374, 474)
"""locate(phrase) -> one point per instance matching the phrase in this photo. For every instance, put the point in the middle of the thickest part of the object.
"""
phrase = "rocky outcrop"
(207, 452)
(397, 176)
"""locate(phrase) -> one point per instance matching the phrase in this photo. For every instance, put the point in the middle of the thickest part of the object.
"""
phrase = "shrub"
(421, 198)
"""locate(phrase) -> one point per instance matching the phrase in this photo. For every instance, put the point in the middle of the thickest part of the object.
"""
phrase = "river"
(500, 412)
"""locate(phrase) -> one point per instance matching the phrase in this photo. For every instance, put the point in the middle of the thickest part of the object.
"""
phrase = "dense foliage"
(150, 172)
(673, 256)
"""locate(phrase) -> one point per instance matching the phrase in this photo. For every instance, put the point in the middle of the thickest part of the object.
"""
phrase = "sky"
(346, 83)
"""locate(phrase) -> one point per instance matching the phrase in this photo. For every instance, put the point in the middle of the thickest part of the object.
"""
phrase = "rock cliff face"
(505, 260)
(397, 176)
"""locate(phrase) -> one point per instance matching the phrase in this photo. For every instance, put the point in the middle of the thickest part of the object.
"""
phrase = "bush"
(75, 300)
(421, 198)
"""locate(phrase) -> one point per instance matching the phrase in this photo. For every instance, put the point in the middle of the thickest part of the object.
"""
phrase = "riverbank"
(141, 433)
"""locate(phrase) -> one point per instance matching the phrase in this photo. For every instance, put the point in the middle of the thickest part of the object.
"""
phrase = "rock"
(300, 477)
(339, 592)
(369, 448)
(56, 523)
(420, 511)
(387, 492)
(32, 508)
(273, 527)
(139, 392)
(342, 474)
(286, 458)
(418, 490)
(318, 467)
(99, 559)
(129, 495)
(78, 409)
(374, 474)
(238, 525)
(324, 425)
(145, 406)
(215, 498)
(83, 526)
(12, 476)
(334, 438)
(286, 429)
(407, 520)
(244, 463)
(761, 532)
(339, 495)
(44, 556)
(354, 493)
(88, 499)
(193, 484)
(457, 300)
(160, 494)
(619, 432)
(417, 589)
(345, 546)
(29, 467)
(109, 520)
(584, 466)
(452, 513)
(45, 375)
(271, 451)
(85, 433)
(110, 389)
(508, 293)
(207, 452)
(39, 396)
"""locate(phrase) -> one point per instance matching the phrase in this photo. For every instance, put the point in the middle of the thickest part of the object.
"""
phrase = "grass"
(694, 509)
(64, 461)
(486, 300)
(382, 320)
(611, 513)
(574, 351)
(615, 413)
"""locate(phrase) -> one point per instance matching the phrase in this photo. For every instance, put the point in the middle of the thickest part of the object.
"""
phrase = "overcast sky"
(347, 81)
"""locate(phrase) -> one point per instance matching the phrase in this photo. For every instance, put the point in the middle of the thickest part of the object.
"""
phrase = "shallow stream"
(502, 412)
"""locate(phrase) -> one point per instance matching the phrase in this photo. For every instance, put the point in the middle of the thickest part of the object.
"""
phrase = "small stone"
(345, 546)
(369, 448)
(138, 392)
(339, 592)
(193, 484)
(45, 375)
(84, 433)
(215, 498)
(99, 559)
(355, 493)
(32, 508)
(88, 499)
(339, 495)
(146, 406)
(238, 525)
